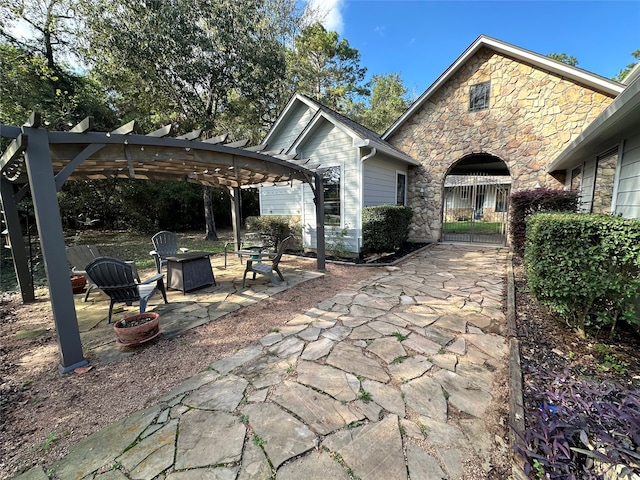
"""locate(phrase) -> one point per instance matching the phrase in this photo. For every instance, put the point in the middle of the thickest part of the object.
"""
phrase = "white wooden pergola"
(41, 161)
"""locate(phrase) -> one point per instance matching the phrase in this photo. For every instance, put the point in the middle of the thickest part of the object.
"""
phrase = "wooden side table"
(188, 271)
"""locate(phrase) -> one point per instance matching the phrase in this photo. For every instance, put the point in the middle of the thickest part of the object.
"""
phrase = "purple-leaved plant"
(576, 423)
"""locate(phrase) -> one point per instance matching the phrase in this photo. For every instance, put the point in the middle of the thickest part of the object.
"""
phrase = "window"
(479, 96)
(401, 189)
(331, 186)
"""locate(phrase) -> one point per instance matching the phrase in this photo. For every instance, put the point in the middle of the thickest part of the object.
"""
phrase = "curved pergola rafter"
(41, 161)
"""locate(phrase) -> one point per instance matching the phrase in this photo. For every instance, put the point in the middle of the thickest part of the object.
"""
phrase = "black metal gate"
(475, 209)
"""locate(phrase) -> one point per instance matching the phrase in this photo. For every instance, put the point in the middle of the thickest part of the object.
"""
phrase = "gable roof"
(361, 135)
(578, 75)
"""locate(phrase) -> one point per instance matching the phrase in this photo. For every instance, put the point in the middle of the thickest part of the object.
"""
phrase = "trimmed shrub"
(585, 268)
(385, 227)
(527, 202)
(272, 229)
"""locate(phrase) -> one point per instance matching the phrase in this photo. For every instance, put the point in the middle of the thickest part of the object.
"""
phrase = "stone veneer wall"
(603, 190)
(533, 116)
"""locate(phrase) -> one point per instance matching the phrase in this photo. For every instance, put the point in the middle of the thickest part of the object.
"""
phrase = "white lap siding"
(379, 180)
(627, 195)
(281, 200)
(330, 146)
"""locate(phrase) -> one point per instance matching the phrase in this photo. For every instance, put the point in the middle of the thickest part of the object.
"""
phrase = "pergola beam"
(48, 159)
(16, 240)
(84, 126)
(13, 151)
(45, 203)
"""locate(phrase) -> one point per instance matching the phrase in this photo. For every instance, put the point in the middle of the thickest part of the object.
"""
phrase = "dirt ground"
(43, 414)
(549, 348)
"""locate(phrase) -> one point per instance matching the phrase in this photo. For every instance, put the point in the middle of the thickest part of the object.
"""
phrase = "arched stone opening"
(475, 200)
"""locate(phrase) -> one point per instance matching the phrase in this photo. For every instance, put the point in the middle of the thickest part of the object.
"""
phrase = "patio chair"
(165, 244)
(79, 256)
(267, 268)
(115, 278)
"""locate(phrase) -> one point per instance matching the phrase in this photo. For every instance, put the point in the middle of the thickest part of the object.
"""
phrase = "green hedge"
(586, 268)
(527, 202)
(385, 227)
(274, 228)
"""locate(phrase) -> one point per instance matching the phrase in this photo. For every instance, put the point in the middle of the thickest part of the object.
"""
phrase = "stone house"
(498, 110)
(604, 161)
(358, 169)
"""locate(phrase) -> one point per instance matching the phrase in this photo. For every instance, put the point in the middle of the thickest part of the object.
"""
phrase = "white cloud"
(329, 13)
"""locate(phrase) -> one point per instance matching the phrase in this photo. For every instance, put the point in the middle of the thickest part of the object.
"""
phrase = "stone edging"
(516, 403)
(390, 264)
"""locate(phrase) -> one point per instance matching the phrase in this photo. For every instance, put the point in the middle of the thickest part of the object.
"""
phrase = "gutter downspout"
(371, 154)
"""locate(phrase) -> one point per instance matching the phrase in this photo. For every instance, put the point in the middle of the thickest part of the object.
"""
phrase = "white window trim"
(406, 186)
(340, 165)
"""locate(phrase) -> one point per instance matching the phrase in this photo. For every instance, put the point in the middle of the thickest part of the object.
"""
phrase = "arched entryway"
(476, 200)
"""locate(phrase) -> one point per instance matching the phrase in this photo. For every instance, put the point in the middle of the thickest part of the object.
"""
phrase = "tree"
(625, 71)
(35, 41)
(196, 64)
(326, 68)
(387, 102)
(182, 60)
(564, 58)
(44, 27)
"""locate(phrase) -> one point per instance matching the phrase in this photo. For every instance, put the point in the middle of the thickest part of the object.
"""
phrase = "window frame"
(480, 96)
(404, 195)
(337, 200)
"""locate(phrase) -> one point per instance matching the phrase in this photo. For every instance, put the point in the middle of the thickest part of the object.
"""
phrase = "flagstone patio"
(402, 377)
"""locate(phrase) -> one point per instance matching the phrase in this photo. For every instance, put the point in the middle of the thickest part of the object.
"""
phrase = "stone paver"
(281, 435)
(373, 451)
(391, 379)
(352, 359)
(339, 384)
(320, 412)
(208, 438)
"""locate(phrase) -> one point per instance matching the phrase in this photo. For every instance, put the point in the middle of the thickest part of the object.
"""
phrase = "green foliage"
(625, 71)
(186, 61)
(585, 268)
(147, 206)
(385, 227)
(63, 98)
(336, 244)
(564, 58)
(272, 229)
(389, 99)
(50, 440)
(527, 202)
(399, 336)
(365, 396)
(326, 68)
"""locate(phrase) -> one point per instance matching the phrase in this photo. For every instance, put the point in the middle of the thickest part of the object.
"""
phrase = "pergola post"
(16, 239)
(319, 201)
(234, 193)
(47, 212)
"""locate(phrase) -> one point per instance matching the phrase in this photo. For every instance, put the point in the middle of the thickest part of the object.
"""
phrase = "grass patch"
(50, 440)
(365, 396)
(399, 336)
(469, 226)
(114, 243)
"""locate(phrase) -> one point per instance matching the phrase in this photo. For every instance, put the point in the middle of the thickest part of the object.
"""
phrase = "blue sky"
(420, 39)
